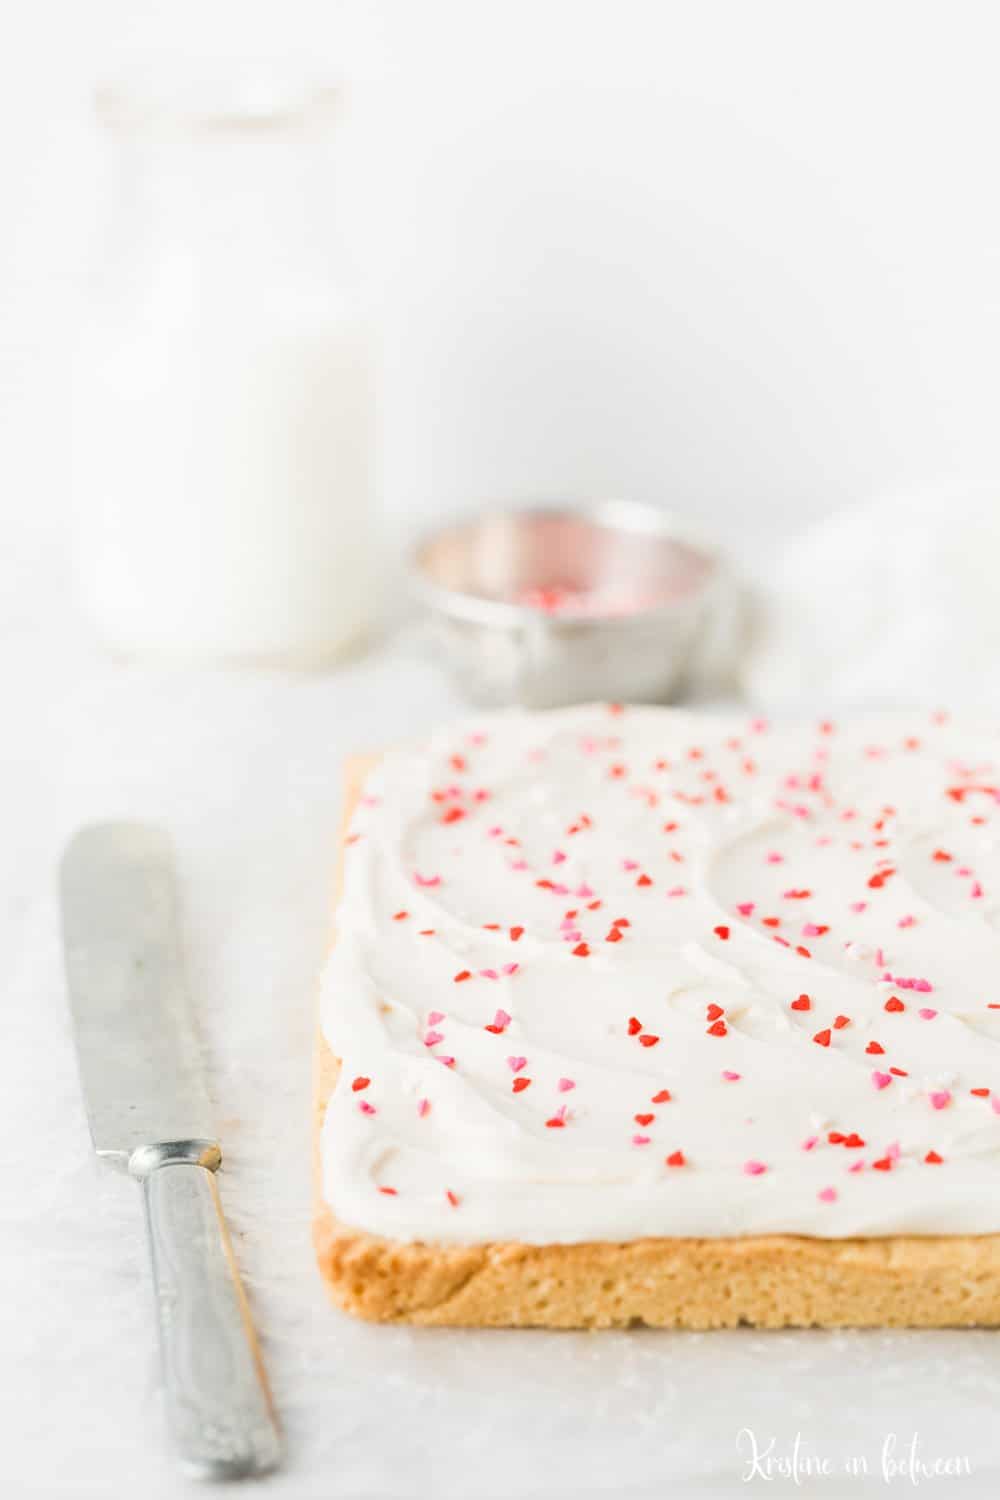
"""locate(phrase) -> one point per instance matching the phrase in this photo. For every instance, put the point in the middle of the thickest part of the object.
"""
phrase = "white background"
(740, 257)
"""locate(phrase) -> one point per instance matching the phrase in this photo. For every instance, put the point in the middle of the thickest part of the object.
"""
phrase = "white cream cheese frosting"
(606, 973)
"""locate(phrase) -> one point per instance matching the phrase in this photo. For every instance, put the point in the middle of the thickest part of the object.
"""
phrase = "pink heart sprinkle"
(510, 969)
(893, 1151)
(423, 1107)
(558, 857)
(432, 1038)
(827, 1195)
(641, 1140)
(810, 929)
(857, 1166)
(515, 1064)
(745, 908)
(630, 864)
(449, 1062)
(940, 1098)
(906, 922)
(488, 974)
(519, 864)
(774, 858)
(881, 1080)
(584, 892)
(859, 906)
(995, 1104)
(366, 1108)
(731, 1077)
(976, 891)
(810, 1142)
(560, 890)
(677, 890)
(565, 1084)
(926, 1014)
(754, 1168)
(495, 832)
(501, 1018)
(427, 880)
(434, 1016)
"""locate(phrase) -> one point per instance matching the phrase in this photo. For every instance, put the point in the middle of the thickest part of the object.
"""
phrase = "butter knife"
(143, 1083)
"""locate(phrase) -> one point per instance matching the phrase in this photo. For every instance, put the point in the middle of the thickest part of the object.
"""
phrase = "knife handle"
(218, 1405)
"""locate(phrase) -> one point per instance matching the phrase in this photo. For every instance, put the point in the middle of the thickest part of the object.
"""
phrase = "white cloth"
(885, 605)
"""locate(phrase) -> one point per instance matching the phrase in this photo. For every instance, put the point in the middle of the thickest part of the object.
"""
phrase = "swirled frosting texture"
(608, 973)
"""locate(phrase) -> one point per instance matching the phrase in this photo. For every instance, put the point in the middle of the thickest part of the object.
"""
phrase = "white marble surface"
(244, 771)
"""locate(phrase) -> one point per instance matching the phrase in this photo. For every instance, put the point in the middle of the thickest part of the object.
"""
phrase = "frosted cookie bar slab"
(645, 1015)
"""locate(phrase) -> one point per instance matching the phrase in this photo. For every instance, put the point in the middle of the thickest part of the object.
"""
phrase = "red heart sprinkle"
(519, 1084)
(648, 1040)
(644, 880)
(802, 1003)
(899, 1072)
(714, 1012)
(555, 1123)
(841, 1022)
(676, 1159)
(836, 1138)
(454, 815)
(942, 855)
(853, 1141)
(721, 932)
(980, 1093)
(771, 921)
(823, 1037)
(621, 922)
(662, 1097)
(464, 974)
(933, 1159)
(718, 1029)
(614, 936)
(452, 1198)
(581, 951)
(894, 1004)
(634, 1026)
(400, 916)
(644, 1119)
(515, 933)
(360, 1083)
(884, 1164)
(875, 1047)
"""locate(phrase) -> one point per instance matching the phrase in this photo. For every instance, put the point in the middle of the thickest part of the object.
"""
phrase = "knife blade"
(143, 1081)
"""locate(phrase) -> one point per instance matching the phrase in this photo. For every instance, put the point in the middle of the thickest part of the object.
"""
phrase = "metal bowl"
(552, 606)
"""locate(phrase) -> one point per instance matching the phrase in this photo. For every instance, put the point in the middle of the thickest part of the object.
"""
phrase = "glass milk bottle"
(223, 394)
